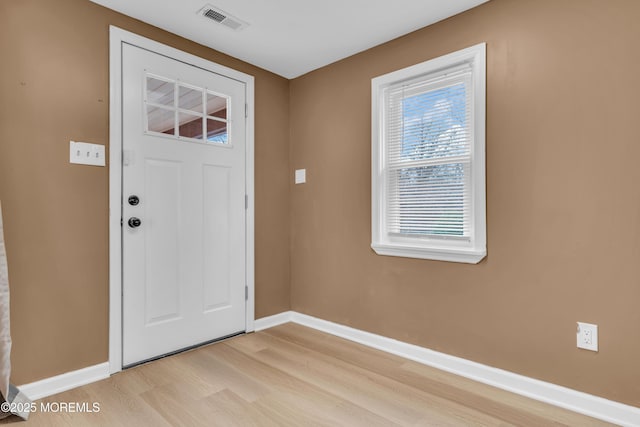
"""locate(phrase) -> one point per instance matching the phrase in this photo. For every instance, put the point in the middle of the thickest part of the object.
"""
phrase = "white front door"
(183, 207)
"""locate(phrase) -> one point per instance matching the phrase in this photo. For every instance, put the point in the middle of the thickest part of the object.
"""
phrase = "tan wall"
(563, 197)
(54, 86)
(562, 193)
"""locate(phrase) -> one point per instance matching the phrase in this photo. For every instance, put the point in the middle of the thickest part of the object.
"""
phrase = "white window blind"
(428, 154)
(428, 171)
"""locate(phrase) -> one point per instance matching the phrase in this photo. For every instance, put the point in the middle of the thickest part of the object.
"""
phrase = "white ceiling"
(293, 37)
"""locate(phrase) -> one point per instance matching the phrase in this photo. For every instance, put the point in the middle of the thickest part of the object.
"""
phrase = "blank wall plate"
(587, 336)
(301, 176)
(84, 153)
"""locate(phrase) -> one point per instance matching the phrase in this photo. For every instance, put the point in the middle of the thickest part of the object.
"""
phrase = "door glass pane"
(201, 114)
(160, 91)
(190, 125)
(160, 120)
(217, 131)
(216, 106)
(190, 99)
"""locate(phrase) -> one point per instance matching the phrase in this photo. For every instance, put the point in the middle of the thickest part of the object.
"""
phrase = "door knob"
(134, 222)
(134, 200)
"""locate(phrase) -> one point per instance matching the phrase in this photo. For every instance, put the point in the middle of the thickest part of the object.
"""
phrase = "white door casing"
(194, 230)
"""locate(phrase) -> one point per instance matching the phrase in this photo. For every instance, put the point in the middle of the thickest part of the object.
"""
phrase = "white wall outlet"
(587, 336)
(301, 176)
(84, 153)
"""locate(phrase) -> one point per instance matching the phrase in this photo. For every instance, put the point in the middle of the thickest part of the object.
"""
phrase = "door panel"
(216, 283)
(162, 203)
(184, 157)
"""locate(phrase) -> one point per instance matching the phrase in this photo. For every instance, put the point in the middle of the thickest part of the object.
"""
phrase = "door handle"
(134, 222)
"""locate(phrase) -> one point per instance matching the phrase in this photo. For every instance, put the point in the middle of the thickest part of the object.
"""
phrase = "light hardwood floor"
(291, 375)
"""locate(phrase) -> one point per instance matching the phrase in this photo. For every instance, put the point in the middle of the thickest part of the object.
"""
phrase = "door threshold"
(184, 350)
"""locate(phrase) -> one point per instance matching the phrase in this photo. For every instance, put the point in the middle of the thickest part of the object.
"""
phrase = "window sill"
(469, 256)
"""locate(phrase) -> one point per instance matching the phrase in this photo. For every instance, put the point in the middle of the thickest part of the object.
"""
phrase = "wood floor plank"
(227, 377)
(229, 409)
(520, 404)
(387, 398)
(295, 376)
(308, 398)
(507, 406)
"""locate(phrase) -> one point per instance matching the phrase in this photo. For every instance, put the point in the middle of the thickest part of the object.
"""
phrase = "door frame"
(117, 38)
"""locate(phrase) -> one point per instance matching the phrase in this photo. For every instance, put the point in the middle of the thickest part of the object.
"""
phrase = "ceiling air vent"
(222, 17)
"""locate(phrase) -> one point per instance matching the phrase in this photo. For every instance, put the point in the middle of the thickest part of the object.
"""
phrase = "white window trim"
(474, 250)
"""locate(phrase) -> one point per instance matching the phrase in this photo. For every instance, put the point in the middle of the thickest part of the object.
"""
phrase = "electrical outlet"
(84, 153)
(587, 336)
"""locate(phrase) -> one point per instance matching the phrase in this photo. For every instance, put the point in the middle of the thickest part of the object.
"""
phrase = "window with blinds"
(428, 159)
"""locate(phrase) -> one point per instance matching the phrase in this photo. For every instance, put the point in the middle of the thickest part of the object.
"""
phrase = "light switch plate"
(301, 176)
(84, 153)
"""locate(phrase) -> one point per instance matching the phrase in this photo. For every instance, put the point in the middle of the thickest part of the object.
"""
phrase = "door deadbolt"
(134, 222)
(134, 200)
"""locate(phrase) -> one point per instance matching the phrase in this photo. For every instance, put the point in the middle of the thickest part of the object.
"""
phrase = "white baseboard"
(54, 385)
(583, 403)
(271, 321)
